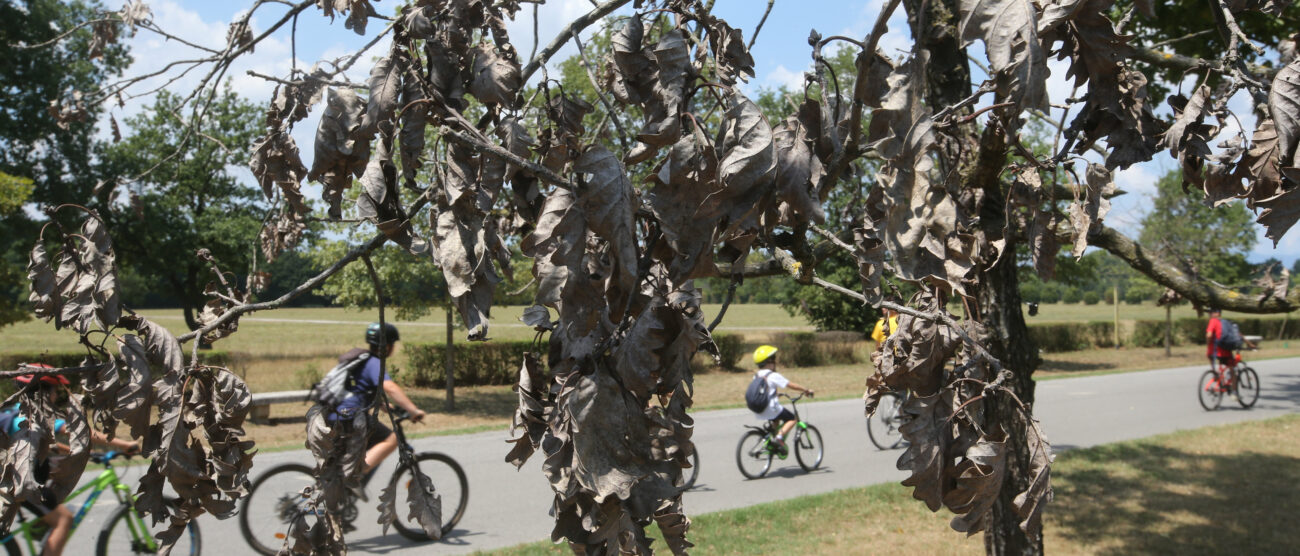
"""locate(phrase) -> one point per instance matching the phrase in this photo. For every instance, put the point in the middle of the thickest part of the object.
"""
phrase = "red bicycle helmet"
(48, 379)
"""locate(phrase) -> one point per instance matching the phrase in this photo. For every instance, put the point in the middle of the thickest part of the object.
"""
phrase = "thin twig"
(595, 86)
(731, 292)
(766, 12)
(573, 28)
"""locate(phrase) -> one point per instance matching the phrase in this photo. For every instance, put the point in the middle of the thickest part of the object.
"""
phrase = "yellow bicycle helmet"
(763, 353)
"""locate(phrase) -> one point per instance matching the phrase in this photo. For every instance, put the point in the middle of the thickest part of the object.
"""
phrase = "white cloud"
(792, 80)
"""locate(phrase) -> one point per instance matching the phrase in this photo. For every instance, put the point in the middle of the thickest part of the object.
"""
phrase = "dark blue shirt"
(363, 389)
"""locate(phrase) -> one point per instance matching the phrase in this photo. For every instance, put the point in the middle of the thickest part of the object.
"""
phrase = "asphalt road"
(508, 507)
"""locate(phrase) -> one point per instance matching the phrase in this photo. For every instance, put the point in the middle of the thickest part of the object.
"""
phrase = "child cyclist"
(55, 515)
(765, 358)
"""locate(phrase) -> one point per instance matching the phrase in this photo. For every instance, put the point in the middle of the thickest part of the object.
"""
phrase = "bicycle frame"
(768, 430)
(107, 480)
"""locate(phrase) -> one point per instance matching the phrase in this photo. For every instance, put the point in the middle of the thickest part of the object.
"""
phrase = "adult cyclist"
(52, 511)
(765, 358)
(362, 390)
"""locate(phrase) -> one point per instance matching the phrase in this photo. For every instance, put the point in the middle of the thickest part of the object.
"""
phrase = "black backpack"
(1229, 336)
(337, 384)
(759, 393)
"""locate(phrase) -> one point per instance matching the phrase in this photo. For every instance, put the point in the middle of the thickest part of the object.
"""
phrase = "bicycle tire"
(806, 444)
(1247, 387)
(752, 448)
(257, 539)
(440, 468)
(693, 473)
(119, 515)
(1208, 391)
(883, 425)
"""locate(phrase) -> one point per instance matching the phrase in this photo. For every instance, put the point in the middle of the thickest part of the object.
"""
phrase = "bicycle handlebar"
(105, 457)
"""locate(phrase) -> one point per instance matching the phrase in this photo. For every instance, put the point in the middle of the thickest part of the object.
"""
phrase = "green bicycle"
(758, 446)
(124, 532)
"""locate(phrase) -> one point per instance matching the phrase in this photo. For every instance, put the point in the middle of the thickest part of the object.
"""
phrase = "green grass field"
(1216, 490)
(311, 332)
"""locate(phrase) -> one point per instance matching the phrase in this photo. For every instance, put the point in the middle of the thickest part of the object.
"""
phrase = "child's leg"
(60, 521)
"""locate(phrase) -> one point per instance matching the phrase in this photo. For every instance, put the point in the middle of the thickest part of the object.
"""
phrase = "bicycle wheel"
(273, 501)
(883, 425)
(752, 455)
(1247, 387)
(1209, 392)
(449, 483)
(691, 474)
(127, 533)
(808, 448)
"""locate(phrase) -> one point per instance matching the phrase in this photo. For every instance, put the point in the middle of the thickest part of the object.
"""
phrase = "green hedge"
(476, 364)
(1059, 337)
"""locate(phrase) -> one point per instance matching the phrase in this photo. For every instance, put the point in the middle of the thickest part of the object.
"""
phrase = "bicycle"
(124, 532)
(884, 426)
(691, 474)
(758, 446)
(276, 498)
(1238, 379)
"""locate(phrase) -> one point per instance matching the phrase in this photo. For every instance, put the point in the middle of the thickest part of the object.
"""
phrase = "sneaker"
(779, 448)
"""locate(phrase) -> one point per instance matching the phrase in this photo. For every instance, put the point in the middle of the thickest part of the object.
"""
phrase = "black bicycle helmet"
(390, 333)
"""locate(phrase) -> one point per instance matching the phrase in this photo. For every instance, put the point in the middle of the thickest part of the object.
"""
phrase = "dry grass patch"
(1217, 490)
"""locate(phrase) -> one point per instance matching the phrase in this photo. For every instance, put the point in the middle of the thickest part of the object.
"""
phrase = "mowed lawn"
(322, 331)
(1216, 490)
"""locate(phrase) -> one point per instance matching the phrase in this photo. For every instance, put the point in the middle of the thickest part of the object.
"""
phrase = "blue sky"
(781, 56)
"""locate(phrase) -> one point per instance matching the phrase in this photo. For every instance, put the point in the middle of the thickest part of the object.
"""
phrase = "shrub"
(477, 364)
(1134, 296)
(308, 376)
(1072, 295)
(1031, 292)
(1151, 333)
(731, 347)
(1049, 293)
(801, 350)
(807, 349)
(1091, 298)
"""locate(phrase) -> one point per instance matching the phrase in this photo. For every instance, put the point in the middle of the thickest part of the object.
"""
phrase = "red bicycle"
(1233, 377)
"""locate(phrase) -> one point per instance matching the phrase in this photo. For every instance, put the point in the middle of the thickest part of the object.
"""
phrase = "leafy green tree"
(41, 161)
(1209, 241)
(413, 286)
(192, 199)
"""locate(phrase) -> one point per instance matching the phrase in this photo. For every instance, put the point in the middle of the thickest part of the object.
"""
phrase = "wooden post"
(1169, 329)
(449, 364)
(1114, 298)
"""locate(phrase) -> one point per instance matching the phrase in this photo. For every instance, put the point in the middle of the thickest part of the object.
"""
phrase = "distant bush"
(1072, 295)
(1091, 298)
(1134, 296)
(731, 347)
(477, 364)
(1050, 292)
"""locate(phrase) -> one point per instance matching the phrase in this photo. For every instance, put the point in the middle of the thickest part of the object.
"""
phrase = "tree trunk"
(449, 364)
(999, 303)
(998, 292)
(1169, 330)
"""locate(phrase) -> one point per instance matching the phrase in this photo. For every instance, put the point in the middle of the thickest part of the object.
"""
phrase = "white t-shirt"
(774, 381)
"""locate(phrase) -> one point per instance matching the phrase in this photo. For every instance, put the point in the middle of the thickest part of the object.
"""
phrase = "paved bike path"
(507, 507)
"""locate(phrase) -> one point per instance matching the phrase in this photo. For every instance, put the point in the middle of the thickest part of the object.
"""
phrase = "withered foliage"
(605, 396)
(188, 417)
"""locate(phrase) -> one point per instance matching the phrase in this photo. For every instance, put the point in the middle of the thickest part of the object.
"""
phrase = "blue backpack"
(1229, 336)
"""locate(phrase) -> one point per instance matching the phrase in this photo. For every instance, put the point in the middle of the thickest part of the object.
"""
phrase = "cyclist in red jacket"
(1214, 331)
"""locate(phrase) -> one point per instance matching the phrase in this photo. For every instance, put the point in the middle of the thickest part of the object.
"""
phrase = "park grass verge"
(1206, 491)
